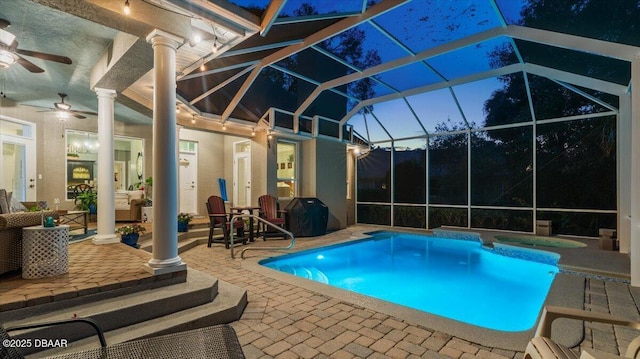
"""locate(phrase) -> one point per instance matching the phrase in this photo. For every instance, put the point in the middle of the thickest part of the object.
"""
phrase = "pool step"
(312, 273)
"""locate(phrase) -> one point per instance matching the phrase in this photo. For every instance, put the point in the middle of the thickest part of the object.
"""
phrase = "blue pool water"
(457, 279)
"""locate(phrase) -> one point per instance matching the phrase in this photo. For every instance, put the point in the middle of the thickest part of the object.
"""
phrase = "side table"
(45, 251)
(75, 219)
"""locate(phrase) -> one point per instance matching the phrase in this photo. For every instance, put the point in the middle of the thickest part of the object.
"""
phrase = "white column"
(635, 172)
(165, 157)
(106, 198)
(624, 173)
(178, 128)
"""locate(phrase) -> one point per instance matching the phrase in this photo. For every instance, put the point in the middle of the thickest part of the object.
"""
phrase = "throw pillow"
(16, 206)
(4, 203)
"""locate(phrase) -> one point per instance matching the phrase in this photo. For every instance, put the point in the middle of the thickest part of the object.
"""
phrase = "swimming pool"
(457, 279)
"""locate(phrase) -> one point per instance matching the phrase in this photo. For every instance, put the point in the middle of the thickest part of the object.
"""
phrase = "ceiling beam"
(122, 64)
(226, 14)
(217, 70)
(573, 42)
(270, 15)
(306, 18)
(143, 18)
(264, 47)
(309, 41)
(575, 79)
(221, 85)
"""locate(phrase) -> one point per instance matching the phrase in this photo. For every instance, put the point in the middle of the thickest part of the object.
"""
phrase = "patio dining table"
(250, 210)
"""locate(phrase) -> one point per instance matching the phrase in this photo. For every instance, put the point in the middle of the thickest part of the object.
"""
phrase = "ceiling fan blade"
(4, 23)
(91, 113)
(29, 65)
(78, 116)
(36, 106)
(45, 56)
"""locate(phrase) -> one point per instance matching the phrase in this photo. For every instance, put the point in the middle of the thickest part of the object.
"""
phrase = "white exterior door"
(188, 186)
(242, 174)
(18, 158)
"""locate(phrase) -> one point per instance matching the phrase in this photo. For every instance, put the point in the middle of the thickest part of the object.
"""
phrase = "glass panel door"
(18, 160)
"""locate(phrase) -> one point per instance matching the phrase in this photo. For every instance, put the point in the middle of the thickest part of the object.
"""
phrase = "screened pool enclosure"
(476, 114)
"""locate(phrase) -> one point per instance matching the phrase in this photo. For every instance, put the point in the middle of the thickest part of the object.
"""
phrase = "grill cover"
(307, 217)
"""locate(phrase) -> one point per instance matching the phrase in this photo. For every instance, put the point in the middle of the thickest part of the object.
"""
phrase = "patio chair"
(218, 219)
(270, 212)
(542, 347)
(82, 188)
(219, 341)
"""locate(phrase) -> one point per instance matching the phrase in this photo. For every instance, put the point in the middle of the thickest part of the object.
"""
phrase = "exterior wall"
(259, 167)
(351, 182)
(210, 147)
(321, 174)
(215, 160)
(324, 164)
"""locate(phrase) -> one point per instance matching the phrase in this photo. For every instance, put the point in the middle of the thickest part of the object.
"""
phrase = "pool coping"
(566, 290)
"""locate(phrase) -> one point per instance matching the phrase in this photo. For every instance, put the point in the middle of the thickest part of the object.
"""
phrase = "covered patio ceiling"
(386, 67)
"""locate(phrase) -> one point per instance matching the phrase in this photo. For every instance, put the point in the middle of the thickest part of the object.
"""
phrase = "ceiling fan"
(10, 53)
(64, 109)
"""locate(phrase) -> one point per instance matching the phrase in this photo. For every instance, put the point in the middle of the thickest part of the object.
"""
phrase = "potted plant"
(87, 201)
(130, 233)
(183, 221)
(146, 186)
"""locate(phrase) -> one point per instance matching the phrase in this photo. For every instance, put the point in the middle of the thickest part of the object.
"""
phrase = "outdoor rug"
(78, 235)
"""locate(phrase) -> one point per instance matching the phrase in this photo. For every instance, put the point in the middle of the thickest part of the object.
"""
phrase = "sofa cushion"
(121, 201)
(135, 195)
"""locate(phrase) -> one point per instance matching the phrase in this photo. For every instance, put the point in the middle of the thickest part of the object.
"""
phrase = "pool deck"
(288, 317)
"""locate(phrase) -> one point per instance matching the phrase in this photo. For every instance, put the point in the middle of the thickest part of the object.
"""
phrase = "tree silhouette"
(348, 45)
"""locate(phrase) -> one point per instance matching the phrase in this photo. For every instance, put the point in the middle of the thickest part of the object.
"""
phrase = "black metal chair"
(82, 188)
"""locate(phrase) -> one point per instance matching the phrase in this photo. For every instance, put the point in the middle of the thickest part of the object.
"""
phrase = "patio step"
(200, 301)
(227, 307)
(186, 240)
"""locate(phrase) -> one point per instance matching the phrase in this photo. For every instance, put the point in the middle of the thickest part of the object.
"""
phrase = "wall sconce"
(127, 8)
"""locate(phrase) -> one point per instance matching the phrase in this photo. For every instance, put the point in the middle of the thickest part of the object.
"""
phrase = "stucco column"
(635, 172)
(106, 198)
(165, 157)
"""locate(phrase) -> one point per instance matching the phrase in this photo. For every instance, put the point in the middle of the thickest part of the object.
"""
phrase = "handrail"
(260, 219)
